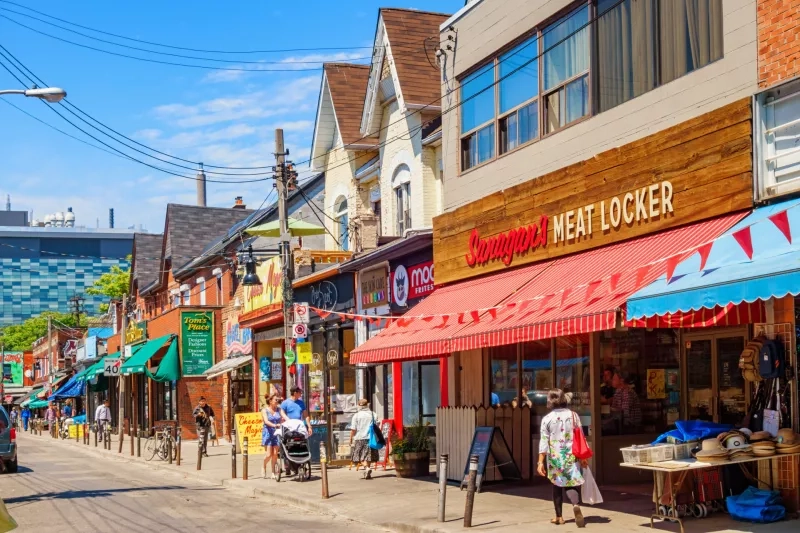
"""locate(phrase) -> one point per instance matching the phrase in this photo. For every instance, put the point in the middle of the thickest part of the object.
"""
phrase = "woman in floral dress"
(556, 461)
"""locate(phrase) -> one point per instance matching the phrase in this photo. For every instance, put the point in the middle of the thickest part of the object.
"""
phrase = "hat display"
(786, 436)
(712, 451)
(735, 441)
(794, 448)
(746, 432)
(760, 436)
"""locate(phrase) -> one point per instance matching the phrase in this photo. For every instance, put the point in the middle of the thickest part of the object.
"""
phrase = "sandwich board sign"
(488, 440)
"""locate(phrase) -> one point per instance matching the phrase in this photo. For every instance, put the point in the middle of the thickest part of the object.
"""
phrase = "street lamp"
(49, 94)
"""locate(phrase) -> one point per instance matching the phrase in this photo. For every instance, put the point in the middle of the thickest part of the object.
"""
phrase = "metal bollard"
(323, 462)
(77, 432)
(442, 486)
(108, 438)
(244, 459)
(200, 449)
(169, 446)
(233, 459)
(121, 433)
(471, 483)
(178, 445)
(129, 431)
(138, 442)
(86, 433)
(95, 436)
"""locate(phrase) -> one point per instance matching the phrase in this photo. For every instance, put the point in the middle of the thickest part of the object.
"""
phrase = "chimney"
(238, 203)
(201, 187)
(110, 218)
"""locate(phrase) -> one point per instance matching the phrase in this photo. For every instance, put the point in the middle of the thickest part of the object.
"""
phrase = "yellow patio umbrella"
(297, 228)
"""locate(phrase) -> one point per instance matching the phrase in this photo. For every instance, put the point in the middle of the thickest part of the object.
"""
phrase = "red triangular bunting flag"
(523, 305)
(476, 316)
(564, 295)
(445, 318)
(672, 263)
(614, 281)
(546, 300)
(641, 273)
(323, 314)
(402, 322)
(428, 318)
(590, 289)
(704, 251)
(511, 305)
(781, 221)
(745, 240)
(492, 312)
(460, 318)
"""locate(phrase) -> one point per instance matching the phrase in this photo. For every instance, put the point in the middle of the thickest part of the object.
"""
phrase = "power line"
(185, 48)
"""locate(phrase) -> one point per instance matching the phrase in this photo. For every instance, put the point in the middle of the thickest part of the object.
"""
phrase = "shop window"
(690, 36)
(504, 374)
(341, 217)
(572, 372)
(402, 196)
(477, 116)
(519, 88)
(202, 290)
(640, 381)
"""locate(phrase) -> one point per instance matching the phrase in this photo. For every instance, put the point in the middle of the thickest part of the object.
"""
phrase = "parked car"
(8, 442)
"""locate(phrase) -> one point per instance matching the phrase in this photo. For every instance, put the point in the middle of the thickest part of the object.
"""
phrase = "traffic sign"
(299, 331)
(111, 367)
(301, 312)
(290, 357)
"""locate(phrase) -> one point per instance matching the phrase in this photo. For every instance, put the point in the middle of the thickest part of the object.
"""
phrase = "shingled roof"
(407, 30)
(189, 228)
(348, 87)
(146, 262)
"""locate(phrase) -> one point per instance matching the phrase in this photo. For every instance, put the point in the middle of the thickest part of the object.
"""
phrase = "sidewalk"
(406, 505)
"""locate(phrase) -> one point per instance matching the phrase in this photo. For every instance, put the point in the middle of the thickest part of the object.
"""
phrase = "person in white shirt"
(102, 415)
(359, 438)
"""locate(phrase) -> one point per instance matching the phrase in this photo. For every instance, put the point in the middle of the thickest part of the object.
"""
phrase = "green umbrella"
(297, 228)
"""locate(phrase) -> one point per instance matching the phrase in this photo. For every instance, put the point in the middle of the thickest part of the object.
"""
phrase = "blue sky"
(220, 118)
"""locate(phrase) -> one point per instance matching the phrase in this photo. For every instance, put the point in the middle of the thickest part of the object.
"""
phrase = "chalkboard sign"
(387, 427)
(487, 440)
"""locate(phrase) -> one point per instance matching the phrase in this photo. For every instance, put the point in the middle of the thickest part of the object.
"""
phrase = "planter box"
(412, 464)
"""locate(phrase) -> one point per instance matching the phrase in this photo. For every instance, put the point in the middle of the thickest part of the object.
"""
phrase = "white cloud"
(299, 63)
(148, 134)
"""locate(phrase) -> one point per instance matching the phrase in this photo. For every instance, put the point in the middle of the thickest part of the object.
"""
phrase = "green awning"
(169, 369)
(97, 368)
(297, 228)
(38, 404)
(31, 397)
(137, 364)
(81, 376)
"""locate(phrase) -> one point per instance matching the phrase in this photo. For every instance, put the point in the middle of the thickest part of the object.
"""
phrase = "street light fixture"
(49, 94)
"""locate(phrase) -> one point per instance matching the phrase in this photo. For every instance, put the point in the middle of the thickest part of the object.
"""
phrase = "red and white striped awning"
(565, 296)
(728, 315)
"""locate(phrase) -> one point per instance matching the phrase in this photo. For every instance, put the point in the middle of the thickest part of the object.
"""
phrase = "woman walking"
(271, 415)
(556, 461)
(359, 438)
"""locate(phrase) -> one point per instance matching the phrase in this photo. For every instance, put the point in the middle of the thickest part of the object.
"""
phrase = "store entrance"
(716, 388)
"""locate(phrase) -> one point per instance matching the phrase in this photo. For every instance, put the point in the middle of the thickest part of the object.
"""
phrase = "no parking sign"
(301, 312)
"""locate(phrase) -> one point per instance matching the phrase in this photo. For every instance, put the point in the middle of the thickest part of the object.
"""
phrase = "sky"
(223, 118)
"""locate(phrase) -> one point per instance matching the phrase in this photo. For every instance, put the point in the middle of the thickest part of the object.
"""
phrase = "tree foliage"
(113, 284)
(20, 337)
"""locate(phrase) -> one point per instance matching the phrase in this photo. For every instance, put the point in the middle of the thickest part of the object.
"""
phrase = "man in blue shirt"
(67, 410)
(293, 408)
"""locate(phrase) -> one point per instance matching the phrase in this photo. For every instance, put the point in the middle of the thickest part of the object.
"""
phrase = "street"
(60, 489)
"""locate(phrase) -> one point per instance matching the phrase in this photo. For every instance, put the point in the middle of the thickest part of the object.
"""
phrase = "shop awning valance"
(757, 259)
(38, 404)
(30, 397)
(71, 389)
(575, 294)
(169, 369)
(228, 365)
(137, 363)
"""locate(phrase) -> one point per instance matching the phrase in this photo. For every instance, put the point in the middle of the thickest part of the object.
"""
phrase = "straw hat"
(735, 441)
(786, 436)
(768, 452)
(763, 444)
(760, 436)
(711, 451)
(795, 448)
(746, 432)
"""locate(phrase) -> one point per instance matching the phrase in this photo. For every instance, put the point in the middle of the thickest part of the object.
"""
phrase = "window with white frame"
(201, 287)
(187, 297)
(778, 140)
(401, 183)
(592, 57)
(342, 221)
(176, 299)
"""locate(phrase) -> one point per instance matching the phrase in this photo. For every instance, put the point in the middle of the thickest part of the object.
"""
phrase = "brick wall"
(778, 41)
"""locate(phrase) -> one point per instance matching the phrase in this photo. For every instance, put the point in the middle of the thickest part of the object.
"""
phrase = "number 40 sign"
(111, 367)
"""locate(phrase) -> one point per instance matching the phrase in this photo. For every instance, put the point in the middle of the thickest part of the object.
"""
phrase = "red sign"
(505, 246)
(409, 283)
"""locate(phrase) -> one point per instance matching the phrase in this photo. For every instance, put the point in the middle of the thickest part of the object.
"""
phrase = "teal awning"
(137, 364)
(169, 369)
(38, 404)
(31, 397)
(97, 368)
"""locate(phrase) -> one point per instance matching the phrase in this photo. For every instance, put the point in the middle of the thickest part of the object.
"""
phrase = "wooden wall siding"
(471, 377)
(708, 161)
(454, 429)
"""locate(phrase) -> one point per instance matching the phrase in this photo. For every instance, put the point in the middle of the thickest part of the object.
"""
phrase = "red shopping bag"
(580, 448)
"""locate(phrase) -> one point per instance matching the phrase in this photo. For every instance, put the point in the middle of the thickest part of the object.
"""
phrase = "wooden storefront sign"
(693, 171)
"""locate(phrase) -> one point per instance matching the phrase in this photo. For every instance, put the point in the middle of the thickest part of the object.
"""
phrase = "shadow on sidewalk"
(80, 494)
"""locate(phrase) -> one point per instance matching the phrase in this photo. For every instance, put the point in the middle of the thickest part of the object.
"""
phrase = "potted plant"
(411, 453)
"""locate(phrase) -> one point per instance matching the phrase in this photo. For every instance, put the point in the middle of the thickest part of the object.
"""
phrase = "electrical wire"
(181, 47)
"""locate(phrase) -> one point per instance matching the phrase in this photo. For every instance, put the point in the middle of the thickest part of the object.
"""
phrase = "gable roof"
(189, 228)
(407, 31)
(146, 261)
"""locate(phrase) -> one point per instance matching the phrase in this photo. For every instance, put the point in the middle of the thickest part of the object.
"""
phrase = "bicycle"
(160, 443)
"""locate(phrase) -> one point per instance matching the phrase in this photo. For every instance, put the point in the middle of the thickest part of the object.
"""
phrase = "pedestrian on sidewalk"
(555, 447)
(202, 419)
(50, 415)
(102, 416)
(14, 415)
(272, 417)
(359, 438)
(67, 410)
(26, 416)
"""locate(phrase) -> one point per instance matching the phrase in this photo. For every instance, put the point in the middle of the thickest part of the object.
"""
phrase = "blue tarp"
(692, 430)
(71, 389)
(756, 505)
(729, 276)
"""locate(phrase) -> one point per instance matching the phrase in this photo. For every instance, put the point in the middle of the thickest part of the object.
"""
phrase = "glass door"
(716, 388)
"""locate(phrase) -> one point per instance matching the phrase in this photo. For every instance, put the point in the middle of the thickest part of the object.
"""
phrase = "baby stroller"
(294, 452)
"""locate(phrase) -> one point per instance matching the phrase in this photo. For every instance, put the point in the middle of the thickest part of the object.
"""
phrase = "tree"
(20, 337)
(114, 284)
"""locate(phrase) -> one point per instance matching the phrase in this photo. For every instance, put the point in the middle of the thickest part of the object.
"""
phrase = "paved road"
(62, 490)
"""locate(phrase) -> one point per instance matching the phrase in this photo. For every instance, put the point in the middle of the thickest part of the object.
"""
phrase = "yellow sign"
(270, 291)
(656, 384)
(135, 333)
(304, 353)
(73, 428)
(249, 425)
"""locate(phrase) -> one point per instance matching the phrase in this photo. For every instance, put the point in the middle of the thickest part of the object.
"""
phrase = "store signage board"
(270, 292)
(696, 170)
(238, 340)
(387, 428)
(197, 342)
(410, 283)
(111, 366)
(249, 425)
(13, 369)
(374, 287)
(490, 440)
(136, 332)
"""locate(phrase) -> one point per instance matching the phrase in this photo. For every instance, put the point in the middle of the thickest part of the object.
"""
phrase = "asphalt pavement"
(59, 490)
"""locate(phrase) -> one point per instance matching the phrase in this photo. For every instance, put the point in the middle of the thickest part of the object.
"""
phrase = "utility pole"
(2, 372)
(121, 379)
(282, 177)
(50, 362)
(77, 308)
